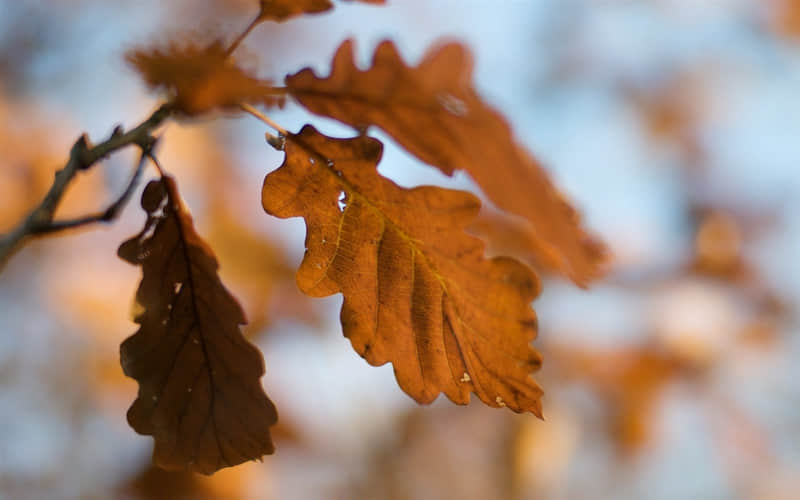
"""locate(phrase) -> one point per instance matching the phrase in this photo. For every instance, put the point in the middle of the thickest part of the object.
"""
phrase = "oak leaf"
(281, 10)
(199, 391)
(417, 289)
(433, 111)
(200, 79)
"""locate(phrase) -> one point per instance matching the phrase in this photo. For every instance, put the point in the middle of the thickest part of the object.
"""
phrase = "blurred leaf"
(152, 483)
(258, 269)
(433, 112)
(199, 391)
(630, 381)
(417, 290)
(200, 78)
(786, 17)
(281, 10)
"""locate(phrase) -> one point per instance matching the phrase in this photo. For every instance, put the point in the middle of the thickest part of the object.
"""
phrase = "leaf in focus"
(200, 78)
(417, 289)
(433, 112)
(200, 395)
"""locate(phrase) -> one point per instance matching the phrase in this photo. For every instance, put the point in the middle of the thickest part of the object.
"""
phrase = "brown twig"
(107, 215)
(235, 44)
(82, 156)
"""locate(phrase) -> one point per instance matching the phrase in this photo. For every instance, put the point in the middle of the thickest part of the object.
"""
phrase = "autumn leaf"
(258, 269)
(433, 112)
(506, 234)
(629, 380)
(199, 391)
(200, 79)
(417, 289)
(281, 10)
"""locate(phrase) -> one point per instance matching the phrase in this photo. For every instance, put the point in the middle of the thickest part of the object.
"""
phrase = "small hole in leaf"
(311, 161)
(342, 201)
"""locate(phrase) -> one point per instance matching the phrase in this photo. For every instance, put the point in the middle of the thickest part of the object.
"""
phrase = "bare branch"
(82, 156)
(107, 215)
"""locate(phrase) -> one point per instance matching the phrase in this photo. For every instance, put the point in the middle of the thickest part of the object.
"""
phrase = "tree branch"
(81, 157)
(107, 215)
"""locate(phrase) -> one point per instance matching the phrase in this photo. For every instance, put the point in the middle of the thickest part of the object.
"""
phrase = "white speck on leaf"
(452, 104)
(499, 401)
(465, 378)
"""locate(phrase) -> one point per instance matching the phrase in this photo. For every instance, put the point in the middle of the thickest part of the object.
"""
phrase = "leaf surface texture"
(417, 289)
(200, 395)
(433, 111)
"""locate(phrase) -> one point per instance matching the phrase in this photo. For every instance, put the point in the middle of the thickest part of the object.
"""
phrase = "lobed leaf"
(433, 112)
(417, 289)
(282, 10)
(199, 391)
(200, 79)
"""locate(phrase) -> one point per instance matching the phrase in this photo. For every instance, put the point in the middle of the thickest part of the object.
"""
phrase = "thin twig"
(157, 163)
(82, 156)
(255, 22)
(264, 118)
(107, 215)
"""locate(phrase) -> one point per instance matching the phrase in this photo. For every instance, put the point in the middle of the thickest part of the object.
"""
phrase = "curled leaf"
(200, 79)
(200, 395)
(433, 112)
(281, 10)
(417, 289)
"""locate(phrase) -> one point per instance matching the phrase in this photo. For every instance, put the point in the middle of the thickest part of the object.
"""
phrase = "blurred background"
(671, 124)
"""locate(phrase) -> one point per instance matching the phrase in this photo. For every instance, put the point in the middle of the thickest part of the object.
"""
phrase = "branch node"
(80, 152)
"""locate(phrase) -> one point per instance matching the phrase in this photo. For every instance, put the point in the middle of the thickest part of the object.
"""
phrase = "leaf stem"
(108, 215)
(235, 44)
(264, 118)
(154, 160)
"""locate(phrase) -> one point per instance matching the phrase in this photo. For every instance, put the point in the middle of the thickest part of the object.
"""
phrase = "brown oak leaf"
(433, 111)
(417, 289)
(200, 79)
(199, 391)
(281, 10)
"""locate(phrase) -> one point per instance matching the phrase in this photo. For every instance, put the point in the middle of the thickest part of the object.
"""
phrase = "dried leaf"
(258, 269)
(629, 380)
(281, 10)
(199, 390)
(200, 78)
(417, 289)
(433, 111)
(506, 234)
